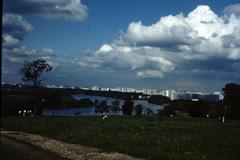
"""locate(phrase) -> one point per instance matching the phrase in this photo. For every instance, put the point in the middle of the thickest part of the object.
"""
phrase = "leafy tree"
(31, 72)
(232, 100)
(115, 106)
(101, 107)
(128, 106)
(139, 110)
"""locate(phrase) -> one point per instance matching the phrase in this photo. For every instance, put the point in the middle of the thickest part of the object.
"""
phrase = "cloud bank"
(174, 44)
(50, 9)
(232, 9)
(15, 28)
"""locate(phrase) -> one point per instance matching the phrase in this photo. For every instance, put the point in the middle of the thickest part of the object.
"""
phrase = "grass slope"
(150, 138)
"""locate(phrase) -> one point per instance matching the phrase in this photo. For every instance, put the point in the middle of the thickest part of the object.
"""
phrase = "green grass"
(149, 138)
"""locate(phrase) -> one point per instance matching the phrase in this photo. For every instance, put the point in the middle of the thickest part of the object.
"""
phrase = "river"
(90, 111)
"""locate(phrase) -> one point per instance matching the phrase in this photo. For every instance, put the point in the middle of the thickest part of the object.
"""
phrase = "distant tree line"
(159, 99)
(228, 107)
(49, 98)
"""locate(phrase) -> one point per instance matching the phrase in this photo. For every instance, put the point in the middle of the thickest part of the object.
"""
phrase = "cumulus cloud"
(167, 32)
(172, 44)
(105, 49)
(150, 74)
(23, 51)
(232, 9)
(116, 57)
(51, 9)
(15, 28)
(9, 41)
(201, 33)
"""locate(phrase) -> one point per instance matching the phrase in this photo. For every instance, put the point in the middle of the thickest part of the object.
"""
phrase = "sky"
(168, 44)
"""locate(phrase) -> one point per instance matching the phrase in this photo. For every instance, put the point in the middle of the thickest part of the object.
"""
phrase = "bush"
(167, 111)
(199, 109)
(216, 110)
(102, 107)
(158, 99)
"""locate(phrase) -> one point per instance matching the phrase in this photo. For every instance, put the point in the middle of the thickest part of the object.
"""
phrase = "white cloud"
(142, 60)
(232, 9)
(152, 51)
(105, 49)
(51, 9)
(199, 34)
(167, 32)
(75, 9)
(15, 28)
(203, 21)
(47, 51)
(235, 54)
(10, 41)
(163, 64)
(150, 74)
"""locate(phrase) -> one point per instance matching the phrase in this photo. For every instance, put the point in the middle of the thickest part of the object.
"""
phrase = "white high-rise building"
(95, 88)
(168, 93)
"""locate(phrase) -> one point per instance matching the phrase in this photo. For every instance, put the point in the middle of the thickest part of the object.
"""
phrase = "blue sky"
(105, 19)
(128, 43)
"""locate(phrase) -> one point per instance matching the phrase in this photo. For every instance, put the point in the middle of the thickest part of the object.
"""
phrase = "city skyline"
(171, 94)
(141, 44)
(152, 91)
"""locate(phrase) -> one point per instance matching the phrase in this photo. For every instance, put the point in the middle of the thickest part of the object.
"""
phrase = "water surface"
(87, 111)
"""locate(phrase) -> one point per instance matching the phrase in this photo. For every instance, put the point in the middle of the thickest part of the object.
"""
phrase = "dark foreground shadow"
(12, 149)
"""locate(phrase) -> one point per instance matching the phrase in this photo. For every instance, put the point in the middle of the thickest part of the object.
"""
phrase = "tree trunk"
(35, 109)
(36, 99)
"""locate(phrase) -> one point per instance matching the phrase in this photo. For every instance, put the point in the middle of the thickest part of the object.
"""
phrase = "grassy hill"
(146, 137)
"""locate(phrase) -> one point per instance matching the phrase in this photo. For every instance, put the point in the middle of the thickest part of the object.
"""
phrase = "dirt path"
(66, 150)
(14, 149)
